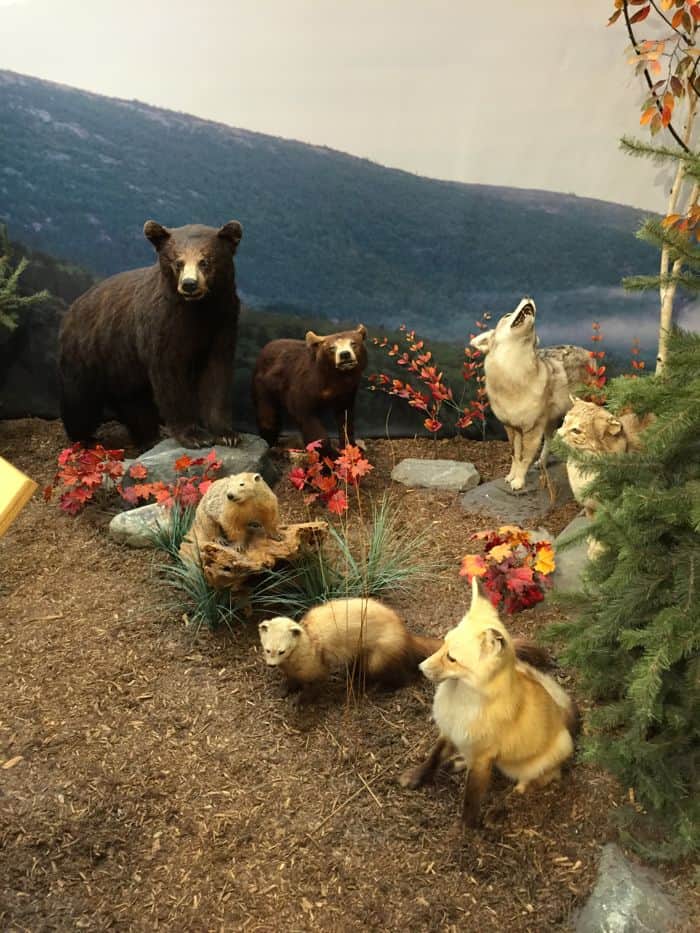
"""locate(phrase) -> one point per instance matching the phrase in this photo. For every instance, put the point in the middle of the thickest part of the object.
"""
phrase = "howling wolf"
(529, 389)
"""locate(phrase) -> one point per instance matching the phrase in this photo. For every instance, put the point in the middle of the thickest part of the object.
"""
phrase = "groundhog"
(304, 378)
(233, 511)
(345, 633)
(156, 345)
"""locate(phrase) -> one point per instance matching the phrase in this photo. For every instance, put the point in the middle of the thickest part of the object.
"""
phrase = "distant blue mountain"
(324, 232)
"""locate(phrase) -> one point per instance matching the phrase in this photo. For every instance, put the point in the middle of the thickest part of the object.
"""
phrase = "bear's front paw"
(193, 436)
(229, 439)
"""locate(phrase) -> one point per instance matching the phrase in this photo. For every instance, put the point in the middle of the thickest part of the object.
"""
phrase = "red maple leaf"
(138, 471)
(338, 503)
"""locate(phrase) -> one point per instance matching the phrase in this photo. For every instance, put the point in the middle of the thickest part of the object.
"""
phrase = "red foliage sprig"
(636, 364)
(514, 569)
(84, 471)
(419, 362)
(325, 480)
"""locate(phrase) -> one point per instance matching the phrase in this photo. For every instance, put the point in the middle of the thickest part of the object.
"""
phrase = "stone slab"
(449, 475)
(571, 561)
(526, 507)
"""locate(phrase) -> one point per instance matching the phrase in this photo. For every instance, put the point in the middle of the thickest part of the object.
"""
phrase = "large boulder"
(250, 455)
(627, 899)
(449, 475)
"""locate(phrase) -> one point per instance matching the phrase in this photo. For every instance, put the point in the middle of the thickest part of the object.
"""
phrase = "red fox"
(493, 709)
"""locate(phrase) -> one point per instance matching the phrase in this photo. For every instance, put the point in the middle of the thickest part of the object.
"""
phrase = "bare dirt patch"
(161, 783)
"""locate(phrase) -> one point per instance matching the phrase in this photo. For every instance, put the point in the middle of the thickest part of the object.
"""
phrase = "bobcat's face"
(590, 427)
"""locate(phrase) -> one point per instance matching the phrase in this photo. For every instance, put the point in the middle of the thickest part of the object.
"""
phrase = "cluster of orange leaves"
(419, 361)
(670, 63)
(513, 569)
(324, 479)
(83, 471)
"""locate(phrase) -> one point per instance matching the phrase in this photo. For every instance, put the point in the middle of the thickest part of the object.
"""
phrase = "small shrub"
(387, 557)
(419, 362)
(325, 480)
(86, 472)
(514, 569)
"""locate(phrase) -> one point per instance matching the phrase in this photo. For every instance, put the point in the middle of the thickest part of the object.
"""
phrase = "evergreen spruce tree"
(636, 640)
(12, 301)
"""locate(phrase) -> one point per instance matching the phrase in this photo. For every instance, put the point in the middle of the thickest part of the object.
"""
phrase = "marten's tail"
(424, 645)
(530, 653)
(400, 666)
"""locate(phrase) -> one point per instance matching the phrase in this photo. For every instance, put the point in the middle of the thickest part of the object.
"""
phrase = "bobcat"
(592, 429)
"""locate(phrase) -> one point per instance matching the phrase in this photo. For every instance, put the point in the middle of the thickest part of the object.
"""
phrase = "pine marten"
(233, 511)
(494, 709)
(360, 634)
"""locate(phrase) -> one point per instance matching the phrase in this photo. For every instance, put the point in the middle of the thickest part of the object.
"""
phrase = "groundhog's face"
(243, 485)
(344, 351)
(195, 259)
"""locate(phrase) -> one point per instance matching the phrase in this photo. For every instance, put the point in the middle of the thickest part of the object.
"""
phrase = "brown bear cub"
(304, 378)
(156, 345)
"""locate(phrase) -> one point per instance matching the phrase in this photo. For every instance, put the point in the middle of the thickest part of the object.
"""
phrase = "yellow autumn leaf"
(545, 560)
(500, 552)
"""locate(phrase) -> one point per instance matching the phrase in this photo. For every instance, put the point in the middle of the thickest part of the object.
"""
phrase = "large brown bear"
(306, 377)
(157, 344)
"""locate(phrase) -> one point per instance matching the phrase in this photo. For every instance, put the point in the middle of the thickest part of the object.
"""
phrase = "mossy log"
(226, 567)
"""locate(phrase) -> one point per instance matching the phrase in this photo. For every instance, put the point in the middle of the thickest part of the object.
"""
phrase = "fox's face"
(473, 651)
(467, 654)
(516, 326)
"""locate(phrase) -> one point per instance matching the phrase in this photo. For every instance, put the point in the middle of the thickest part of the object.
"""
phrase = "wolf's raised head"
(279, 637)
(516, 326)
(476, 650)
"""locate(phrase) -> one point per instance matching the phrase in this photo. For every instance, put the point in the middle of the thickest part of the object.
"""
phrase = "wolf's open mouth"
(525, 312)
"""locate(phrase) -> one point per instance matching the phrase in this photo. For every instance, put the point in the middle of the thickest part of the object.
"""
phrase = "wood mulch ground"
(152, 781)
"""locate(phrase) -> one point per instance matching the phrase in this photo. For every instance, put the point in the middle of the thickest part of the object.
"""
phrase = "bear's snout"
(189, 286)
(345, 357)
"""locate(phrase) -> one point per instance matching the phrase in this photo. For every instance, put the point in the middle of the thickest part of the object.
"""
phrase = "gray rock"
(136, 527)
(450, 475)
(627, 899)
(519, 508)
(249, 456)
(571, 561)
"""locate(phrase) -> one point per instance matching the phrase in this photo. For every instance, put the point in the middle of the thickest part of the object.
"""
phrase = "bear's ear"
(232, 231)
(361, 330)
(312, 339)
(156, 233)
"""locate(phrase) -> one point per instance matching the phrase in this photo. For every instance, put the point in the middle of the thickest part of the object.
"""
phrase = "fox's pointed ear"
(477, 591)
(492, 642)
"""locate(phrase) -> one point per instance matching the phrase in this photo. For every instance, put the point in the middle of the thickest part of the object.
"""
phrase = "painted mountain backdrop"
(324, 233)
